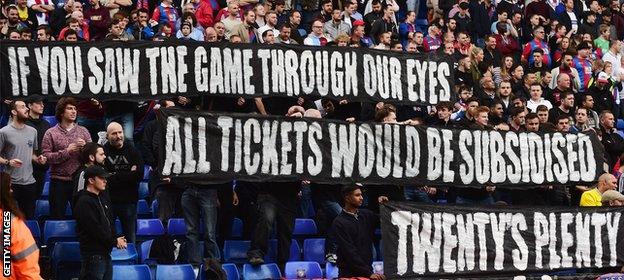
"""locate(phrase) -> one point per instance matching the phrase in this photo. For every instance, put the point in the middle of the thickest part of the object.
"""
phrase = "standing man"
(95, 226)
(18, 143)
(126, 167)
(61, 146)
(354, 230)
(36, 105)
(91, 154)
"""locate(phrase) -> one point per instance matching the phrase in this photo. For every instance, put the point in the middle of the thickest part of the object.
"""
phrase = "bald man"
(125, 164)
(593, 197)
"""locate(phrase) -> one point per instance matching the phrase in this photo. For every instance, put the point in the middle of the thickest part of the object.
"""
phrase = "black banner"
(148, 70)
(454, 241)
(270, 148)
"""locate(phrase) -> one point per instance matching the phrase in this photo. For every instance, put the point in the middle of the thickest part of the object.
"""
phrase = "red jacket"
(509, 46)
(204, 14)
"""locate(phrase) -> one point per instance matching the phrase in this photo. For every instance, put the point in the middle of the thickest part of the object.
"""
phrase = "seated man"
(354, 231)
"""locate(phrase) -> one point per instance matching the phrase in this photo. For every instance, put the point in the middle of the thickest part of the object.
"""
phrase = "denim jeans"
(169, 205)
(486, 201)
(417, 195)
(26, 195)
(127, 122)
(96, 266)
(272, 211)
(60, 195)
(127, 214)
(199, 202)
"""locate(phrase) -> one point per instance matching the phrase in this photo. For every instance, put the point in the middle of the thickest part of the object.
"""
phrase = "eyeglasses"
(317, 26)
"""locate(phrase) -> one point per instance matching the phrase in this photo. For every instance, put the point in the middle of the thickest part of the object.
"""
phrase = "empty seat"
(305, 227)
(147, 171)
(180, 272)
(176, 227)
(295, 251)
(42, 209)
(231, 271)
(131, 272)
(35, 230)
(46, 190)
(124, 256)
(314, 250)
(303, 270)
(149, 228)
(143, 190)
(143, 209)
(66, 260)
(378, 267)
(237, 228)
(331, 271)
(265, 271)
(51, 119)
(57, 231)
(144, 250)
(235, 251)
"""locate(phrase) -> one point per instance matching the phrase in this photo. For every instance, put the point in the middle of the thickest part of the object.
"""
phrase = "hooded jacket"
(94, 224)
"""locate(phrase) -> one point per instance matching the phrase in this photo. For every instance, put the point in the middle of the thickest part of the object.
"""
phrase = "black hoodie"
(123, 184)
(94, 224)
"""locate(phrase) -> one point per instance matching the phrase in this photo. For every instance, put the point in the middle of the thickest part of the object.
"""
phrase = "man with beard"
(247, 29)
(125, 164)
(61, 146)
(295, 21)
(566, 68)
(566, 108)
(18, 143)
(92, 154)
(285, 32)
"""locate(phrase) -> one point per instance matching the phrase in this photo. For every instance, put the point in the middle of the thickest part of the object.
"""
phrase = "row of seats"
(292, 270)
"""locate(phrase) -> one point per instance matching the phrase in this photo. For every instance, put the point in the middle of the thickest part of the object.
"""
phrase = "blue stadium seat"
(118, 228)
(143, 209)
(235, 251)
(66, 260)
(46, 177)
(42, 209)
(231, 271)
(144, 252)
(125, 256)
(155, 208)
(314, 250)
(295, 251)
(35, 230)
(621, 133)
(143, 190)
(59, 231)
(306, 270)
(305, 227)
(331, 271)
(265, 271)
(620, 124)
(179, 272)
(51, 119)
(176, 227)
(46, 190)
(378, 267)
(147, 171)
(148, 228)
(237, 228)
(131, 272)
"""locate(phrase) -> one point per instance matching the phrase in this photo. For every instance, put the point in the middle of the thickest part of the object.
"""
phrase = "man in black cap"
(36, 105)
(96, 227)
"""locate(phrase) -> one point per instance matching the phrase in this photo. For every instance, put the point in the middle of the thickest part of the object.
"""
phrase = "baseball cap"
(95, 171)
(35, 98)
(603, 77)
(611, 195)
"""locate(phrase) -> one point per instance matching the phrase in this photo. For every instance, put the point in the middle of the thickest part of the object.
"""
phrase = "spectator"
(384, 24)
(354, 230)
(517, 119)
(99, 19)
(126, 167)
(43, 33)
(587, 102)
(505, 41)
(537, 43)
(593, 197)
(42, 10)
(143, 28)
(61, 146)
(537, 99)
(583, 65)
(95, 226)
(407, 28)
(542, 114)
(92, 154)
(246, 30)
(566, 108)
(432, 41)
(295, 21)
(317, 37)
(165, 14)
(612, 142)
(36, 105)
(463, 18)
(285, 33)
(602, 93)
(270, 25)
(580, 121)
(336, 26)
(232, 19)
(375, 14)
(18, 143)
(612, 198)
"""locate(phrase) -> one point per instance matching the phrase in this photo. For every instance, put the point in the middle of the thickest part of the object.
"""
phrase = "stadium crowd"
(535, 66)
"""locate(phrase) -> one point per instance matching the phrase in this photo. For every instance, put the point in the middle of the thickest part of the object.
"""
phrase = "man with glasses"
(537, 43)
(316, 38)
